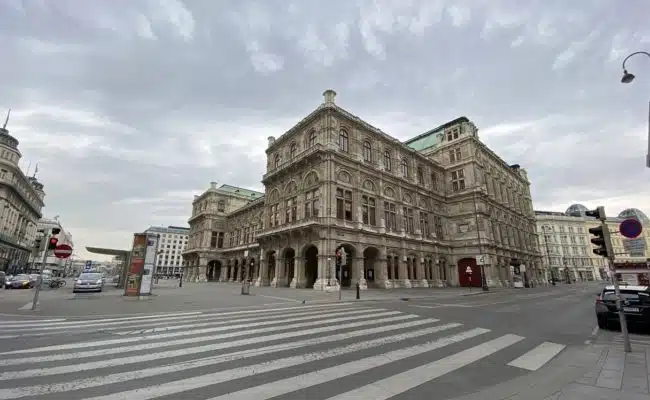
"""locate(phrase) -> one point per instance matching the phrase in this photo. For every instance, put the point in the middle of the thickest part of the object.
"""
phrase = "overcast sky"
(131, 107)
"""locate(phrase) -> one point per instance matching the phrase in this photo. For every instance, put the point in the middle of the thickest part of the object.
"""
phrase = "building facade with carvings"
(407, 214)
(21, 202)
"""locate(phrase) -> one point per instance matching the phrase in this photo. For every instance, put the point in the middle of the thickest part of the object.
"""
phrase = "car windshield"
(635, 295)
(21, 277)
(90, 277)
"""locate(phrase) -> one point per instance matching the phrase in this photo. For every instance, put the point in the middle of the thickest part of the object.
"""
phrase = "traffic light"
(51, 245)
(37, 243)
(600, 241)
(598, 213)
(338, 257)
(56, 231)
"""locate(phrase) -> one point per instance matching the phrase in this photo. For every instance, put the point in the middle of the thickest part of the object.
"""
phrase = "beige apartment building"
(407, 214)
(566, 247)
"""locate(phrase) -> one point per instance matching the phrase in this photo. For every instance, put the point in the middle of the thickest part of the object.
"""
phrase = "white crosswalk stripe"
(274, 351)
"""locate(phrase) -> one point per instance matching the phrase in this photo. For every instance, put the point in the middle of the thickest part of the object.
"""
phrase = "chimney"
(329, 96)
(271, 140)
(213, 185)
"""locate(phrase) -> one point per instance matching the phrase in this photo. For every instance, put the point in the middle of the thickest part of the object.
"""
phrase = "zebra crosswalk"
(325, 351)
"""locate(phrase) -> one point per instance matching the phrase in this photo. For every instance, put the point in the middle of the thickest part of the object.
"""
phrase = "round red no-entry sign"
(62, 251)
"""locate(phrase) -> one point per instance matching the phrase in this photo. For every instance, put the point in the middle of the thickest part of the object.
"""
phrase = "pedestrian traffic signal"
(599, 241)
(37, 243)
(51, 245)
(338, 257)
(598, 213)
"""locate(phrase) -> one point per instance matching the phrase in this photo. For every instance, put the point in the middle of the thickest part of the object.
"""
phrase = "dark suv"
(635, 301)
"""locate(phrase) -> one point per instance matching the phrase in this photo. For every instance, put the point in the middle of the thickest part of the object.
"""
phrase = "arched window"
(405, 167)
(367, 151)
(276, 162)
(343, 141)
(292, 151)
(312, 138)
(387, 163)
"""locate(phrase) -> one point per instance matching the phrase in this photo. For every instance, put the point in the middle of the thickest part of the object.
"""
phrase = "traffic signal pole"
(47, 237)
(627, 346)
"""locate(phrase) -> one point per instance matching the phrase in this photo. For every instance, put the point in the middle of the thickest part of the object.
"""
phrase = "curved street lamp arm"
(633, 54)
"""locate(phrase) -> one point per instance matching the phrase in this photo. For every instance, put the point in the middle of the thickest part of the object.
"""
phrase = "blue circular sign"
(630, 228)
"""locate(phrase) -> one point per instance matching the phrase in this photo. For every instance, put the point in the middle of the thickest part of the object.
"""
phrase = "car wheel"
(602, 324)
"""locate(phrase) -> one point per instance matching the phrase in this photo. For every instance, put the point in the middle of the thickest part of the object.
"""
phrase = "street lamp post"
(628, 78)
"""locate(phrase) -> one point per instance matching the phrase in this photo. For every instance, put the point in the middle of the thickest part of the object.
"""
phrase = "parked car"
(635, 301)
(89, 282)
(21, 281)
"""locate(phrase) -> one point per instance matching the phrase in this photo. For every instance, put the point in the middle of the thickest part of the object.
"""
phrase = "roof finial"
(6, 119)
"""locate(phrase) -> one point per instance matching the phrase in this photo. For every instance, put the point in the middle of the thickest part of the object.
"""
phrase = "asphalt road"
(492, 345)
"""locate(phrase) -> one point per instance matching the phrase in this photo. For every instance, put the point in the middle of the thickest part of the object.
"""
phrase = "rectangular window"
(458, 180)
(434, 181)
(369, 210)
(408, 220)
(420, 175)
(440, 232)
(274, 216)
(247, 235)
(312, 203)
(291, 210)
(220, 240)
(213, 239)
(344, 204)
(453, 134)
(390, 216)
(424, 224)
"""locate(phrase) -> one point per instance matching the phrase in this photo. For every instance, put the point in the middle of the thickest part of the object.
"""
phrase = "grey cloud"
(185, 105)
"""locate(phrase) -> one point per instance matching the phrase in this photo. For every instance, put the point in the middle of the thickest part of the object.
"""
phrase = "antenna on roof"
(6, 119)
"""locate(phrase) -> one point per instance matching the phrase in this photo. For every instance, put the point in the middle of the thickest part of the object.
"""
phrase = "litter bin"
(246, 287)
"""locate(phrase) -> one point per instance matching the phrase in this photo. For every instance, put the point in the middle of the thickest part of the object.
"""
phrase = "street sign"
(630, 228)
(62, 251)
(481, 259)
(468, 270)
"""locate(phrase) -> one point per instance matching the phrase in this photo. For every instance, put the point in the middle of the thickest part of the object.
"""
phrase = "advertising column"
(149, 260)
(136, 267)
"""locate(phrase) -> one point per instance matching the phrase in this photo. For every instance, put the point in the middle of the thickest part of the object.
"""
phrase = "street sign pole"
(627, 346)
(46, 237)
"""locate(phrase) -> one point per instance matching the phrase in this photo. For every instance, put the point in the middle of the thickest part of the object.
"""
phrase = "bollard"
(358, 291)
(180, 282)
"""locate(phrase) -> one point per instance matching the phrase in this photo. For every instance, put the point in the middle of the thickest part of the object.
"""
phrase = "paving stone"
(611, 379)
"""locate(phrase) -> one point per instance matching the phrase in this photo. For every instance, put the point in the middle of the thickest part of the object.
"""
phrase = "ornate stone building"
(407, 214)
(21, 202)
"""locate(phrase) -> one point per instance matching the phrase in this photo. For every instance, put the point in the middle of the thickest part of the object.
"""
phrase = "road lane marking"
(28, 306)
(537, 357)
(394, 385)
(211, 361)
(284, 386)
(372, 319)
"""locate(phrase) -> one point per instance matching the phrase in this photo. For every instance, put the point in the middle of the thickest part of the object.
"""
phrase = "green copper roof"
(251, 194)
(430, 138)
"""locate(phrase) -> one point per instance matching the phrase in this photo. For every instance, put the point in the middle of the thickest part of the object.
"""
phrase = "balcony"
(298, 160)
(305, 223)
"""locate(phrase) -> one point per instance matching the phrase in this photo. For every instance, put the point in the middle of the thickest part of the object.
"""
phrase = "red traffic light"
(51, 245)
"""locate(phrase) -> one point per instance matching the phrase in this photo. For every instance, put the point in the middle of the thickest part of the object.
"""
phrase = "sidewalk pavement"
(616, 376)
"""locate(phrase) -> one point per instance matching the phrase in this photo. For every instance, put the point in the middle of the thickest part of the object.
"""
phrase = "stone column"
(263, 271)
(299, 280)
(363, 283)
(381, 271)
(404, 278)
(322, 273)
(420, 266)
(277, 276)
